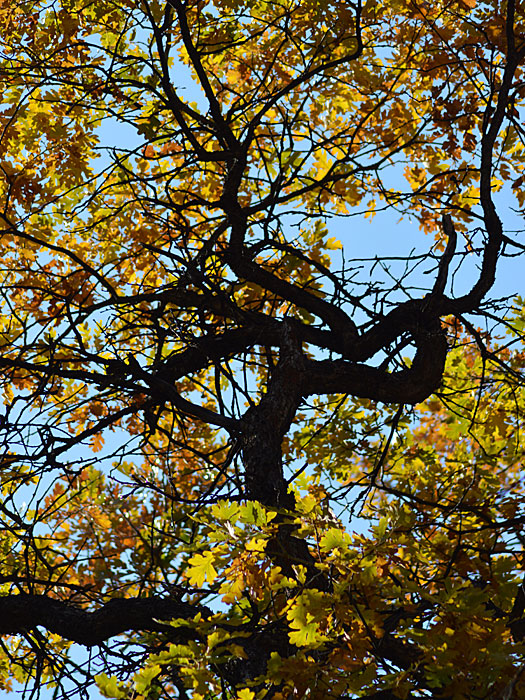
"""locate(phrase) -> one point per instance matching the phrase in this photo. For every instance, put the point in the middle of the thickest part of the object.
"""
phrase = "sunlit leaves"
(308, 615)
(110, 687)
(334, 539)
(201, 569)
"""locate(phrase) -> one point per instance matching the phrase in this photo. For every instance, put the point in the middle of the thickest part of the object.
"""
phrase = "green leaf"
(334, 538)
(144, 678)
(110, 687)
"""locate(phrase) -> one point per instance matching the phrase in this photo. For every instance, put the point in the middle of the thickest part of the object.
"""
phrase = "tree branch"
(19, 613)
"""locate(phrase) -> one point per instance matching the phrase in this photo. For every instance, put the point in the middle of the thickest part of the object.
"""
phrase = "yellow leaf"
(334, 538)
(144, 678)
(306, 616)
(245, 694)
(201, 569)
(334, 244)
(232, 590)
(256, 544)
(110, 687)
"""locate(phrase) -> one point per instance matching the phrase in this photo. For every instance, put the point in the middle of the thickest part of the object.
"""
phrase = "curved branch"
(332, 315)
(493, 225)
(409, 386)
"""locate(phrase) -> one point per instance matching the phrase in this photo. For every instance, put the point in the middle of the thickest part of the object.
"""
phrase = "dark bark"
(23, 612)
(264, 426)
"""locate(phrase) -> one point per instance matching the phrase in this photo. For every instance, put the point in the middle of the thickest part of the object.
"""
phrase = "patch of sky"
(391, 247)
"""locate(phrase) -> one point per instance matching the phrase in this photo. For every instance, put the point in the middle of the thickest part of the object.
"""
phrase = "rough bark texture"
(26, 612)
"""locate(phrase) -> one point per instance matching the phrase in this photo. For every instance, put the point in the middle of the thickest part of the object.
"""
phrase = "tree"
(203, 388)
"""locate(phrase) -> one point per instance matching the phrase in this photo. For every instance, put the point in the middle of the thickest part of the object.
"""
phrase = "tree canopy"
(242, 460)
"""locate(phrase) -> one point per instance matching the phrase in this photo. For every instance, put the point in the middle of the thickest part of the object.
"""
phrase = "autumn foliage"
(242, 460)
